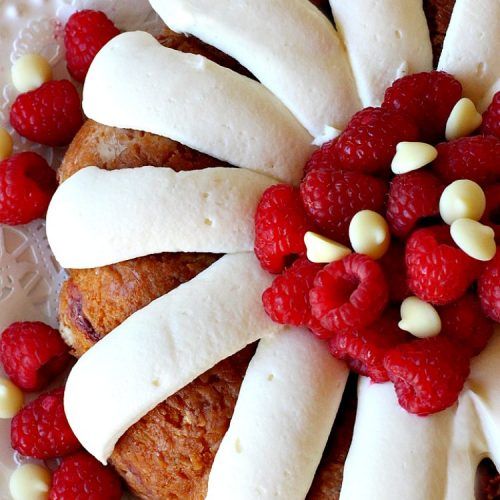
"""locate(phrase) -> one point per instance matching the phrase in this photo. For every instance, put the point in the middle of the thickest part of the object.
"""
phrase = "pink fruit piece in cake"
(324, 157)
(27, 184)
(33, 354)
(349, 293)
(491, 118)
(491, 216)
(394, 266)
(488, 288)
(428, 98)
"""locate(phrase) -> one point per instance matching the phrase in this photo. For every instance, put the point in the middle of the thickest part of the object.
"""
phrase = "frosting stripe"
(471, 48)
(163, 347)
(300, 59)
(385, 40)
(136, 83)
(284, 414)
(100, 217)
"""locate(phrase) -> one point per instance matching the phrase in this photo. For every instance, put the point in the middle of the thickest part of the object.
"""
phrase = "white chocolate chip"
(419, 318)
(11, 398)
(369, 234)
(30, 482)
(329, 133)
(474, 238)
(463, 120)
(462, 199)
(322, 250)
(30, 71)
(412, 156)
(6, 144)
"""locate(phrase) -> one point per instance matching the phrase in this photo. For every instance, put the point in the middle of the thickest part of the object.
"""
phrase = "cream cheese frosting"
(384, 40)
(136, 83)
(301, 59)
(99, 217)
(285, 411)
(471, 48)
(163, 347)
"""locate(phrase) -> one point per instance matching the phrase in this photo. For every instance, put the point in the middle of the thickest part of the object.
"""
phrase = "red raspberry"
(33, 354)
(50, 115)
(412, 196)
(41, 430)
(27, 184)
(394, 266)
(476, 158)
(364, 349)
(428, 374)
(491, 215)
(438, 271)
(332, 198)
(464, 322)
(82, 477)
(427, 98)
(488, 288)
(368, 144)
(350, 293)
(287, 300)
(280, 226)
(85, 35)
(491, 118)
(324, 157)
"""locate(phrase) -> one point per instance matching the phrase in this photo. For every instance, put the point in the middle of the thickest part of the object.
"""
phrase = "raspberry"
(476, 158)
(428, 374)
(287, 300)
(27, 184)
(491, 118)
(427, 98)
(324, 157)
(33, 354)
(394, 267)
(368, 144)
(491, 215)
(488, 288)
(412, 196)
(82, 477)
(364, 349)
(438, 271)
(280, 226)
(464, 322)
(331, 198)
(41, 430)
(50, 115)
(350, 293)
(85, 35)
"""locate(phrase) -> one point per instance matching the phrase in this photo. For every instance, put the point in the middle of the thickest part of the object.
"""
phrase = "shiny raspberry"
(324, 157)
(491, 118)
(331, 199)
(476, 158)
(488, 288)
(464, 322)
(27, 184)
(364, 349)
(86, 33)
(280, 225)
(50, 115)
(412, 196)
(41, 430)
(350, 293)
(394, 266)
(369, 141)
(287, 300)
(491, 216)
(82, 477)
(438, 271)
(427, 98)
(428, 374)
(33, 354)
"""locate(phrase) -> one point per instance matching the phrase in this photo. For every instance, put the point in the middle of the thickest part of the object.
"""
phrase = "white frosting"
(384, 40)
(136, 83)
(99, 217)
(472, 46)
(296, 52)
(163, 347)
(399, 455)
(282, 420)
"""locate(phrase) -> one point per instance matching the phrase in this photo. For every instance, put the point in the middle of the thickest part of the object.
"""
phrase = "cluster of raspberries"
(353, 303)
